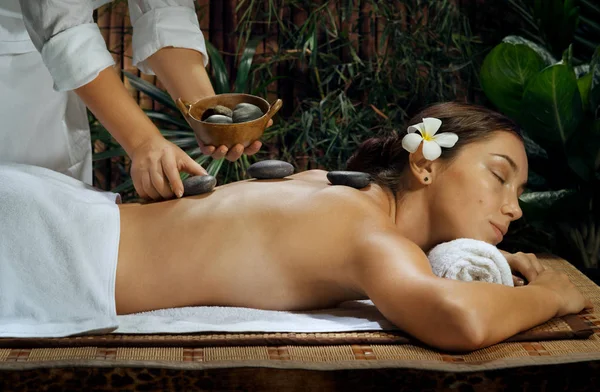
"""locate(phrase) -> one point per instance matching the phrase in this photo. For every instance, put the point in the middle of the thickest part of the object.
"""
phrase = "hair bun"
(373, 155)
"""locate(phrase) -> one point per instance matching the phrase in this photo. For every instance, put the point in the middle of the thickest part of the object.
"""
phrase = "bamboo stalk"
(367, 33)
(116, 33)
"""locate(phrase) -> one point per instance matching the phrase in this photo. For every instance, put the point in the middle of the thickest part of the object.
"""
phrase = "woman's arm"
(450, 314)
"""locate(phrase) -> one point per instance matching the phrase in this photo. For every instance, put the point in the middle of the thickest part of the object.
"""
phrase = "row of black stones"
(274, 169)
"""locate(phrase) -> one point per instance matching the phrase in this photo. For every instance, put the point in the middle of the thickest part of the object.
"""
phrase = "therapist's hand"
(231, 154)
(155, 168)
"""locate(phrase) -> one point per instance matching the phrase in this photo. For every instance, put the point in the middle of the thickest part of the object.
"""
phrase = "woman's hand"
(569, 298)
(525, 264)
(155, 168)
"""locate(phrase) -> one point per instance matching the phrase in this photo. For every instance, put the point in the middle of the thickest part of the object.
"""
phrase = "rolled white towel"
(470, 260)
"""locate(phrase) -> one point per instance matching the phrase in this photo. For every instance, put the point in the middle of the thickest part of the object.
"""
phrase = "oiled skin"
(300, 243)
(274, 244)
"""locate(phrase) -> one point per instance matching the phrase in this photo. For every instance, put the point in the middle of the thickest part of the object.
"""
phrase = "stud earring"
(426, 179)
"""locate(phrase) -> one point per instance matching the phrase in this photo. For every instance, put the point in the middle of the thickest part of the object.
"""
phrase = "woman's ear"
(422, 169)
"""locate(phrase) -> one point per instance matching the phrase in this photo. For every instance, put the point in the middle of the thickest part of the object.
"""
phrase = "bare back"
(277, 244)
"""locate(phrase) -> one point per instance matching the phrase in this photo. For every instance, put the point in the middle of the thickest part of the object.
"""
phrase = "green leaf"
(547, 204)
(551, 106)
(505, 72)
(98, 132)
(150, 90)
(243, 71)
(183, 142)
(583, 84)
(115, 152)
(567, 57)
(168, 119)
(175, 133)
(124, 186)
(220, 77)
(594, 94)
(214, 167)
(543, 52)
(591, 149)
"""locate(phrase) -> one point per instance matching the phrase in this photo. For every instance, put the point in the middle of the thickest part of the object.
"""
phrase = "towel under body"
(59, 241)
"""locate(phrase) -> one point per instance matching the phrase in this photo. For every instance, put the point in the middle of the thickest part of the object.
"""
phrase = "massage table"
(562, 354)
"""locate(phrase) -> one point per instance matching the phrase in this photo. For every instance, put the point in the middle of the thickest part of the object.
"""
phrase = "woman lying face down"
(301, 243)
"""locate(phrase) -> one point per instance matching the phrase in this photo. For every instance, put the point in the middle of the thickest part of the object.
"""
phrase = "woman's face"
(477, 194)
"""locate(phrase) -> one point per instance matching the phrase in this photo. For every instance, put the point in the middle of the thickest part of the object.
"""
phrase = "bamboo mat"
(571, 339)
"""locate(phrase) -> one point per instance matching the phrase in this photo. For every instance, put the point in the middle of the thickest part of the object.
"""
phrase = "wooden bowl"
(227, 134)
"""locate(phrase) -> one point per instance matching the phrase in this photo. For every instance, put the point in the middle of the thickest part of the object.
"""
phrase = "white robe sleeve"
(71, 44)
(162, 23)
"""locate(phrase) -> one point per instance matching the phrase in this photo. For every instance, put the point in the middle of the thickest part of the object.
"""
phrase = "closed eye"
(502, 181)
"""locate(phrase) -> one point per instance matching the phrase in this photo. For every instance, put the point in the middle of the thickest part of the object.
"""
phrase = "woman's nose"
(512, 209)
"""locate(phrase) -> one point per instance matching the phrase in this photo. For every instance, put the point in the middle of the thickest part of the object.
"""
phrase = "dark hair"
(385, 159)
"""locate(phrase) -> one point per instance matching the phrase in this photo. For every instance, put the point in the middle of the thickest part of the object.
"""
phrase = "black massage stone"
(270, 169)
(197, 185)
(352, 179)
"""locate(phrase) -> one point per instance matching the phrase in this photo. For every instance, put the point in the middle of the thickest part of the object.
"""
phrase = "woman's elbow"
(462, 330)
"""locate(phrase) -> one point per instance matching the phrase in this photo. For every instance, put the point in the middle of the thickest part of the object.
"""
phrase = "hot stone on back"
(270, 169)
(352, 179)
(197, 185)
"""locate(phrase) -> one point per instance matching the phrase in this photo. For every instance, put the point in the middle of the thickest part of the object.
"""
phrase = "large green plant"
(173, 126)
(557, 104)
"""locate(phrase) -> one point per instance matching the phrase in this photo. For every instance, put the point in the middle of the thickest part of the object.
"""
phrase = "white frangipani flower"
(432, 143)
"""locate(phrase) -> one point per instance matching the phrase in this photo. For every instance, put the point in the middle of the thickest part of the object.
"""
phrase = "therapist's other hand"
(231, 154)
(155, 168)
(234, 153)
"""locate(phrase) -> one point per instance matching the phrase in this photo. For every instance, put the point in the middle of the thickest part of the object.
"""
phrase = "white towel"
(470, 260)
(59, 240)
(349, 316)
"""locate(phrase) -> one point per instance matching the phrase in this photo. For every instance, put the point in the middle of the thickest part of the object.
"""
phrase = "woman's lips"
(499, 234)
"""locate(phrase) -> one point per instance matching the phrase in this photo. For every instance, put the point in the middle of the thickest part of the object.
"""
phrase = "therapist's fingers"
(235, 153)
(220, 152)
(169, 165)
(137, 183)
(159, 182)
(148, 187)
(253, 148)
(206, 149)
(187, 164)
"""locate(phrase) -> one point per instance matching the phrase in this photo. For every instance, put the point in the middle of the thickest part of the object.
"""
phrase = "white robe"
(48, 48)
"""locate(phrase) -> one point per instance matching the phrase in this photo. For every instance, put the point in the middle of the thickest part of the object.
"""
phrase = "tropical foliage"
(557, 101)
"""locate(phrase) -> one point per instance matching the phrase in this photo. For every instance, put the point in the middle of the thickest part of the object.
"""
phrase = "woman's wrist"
(549, 300)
